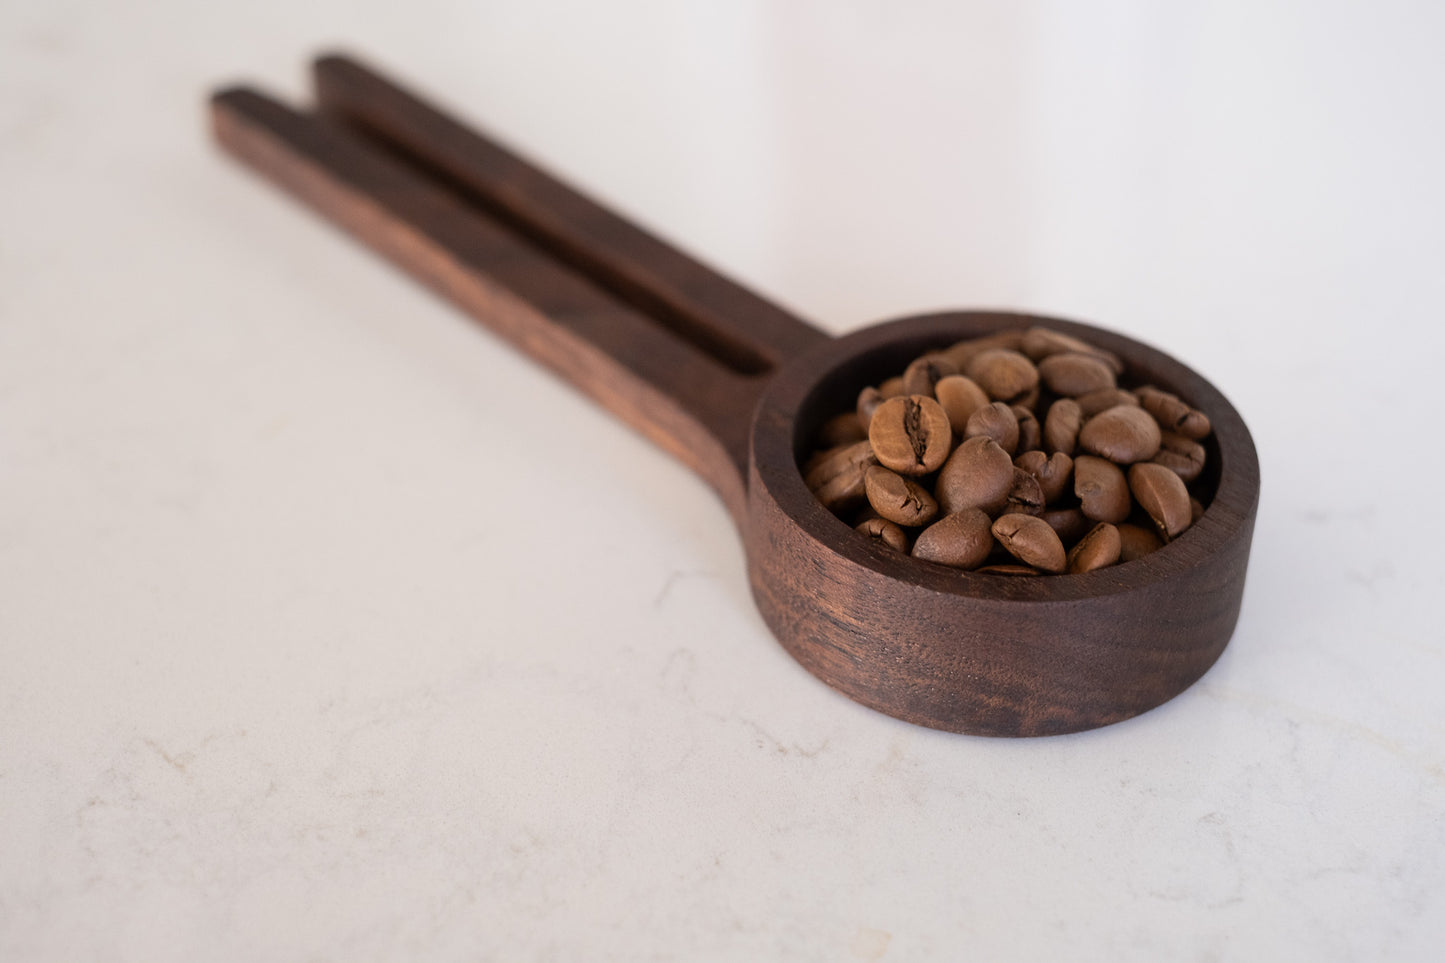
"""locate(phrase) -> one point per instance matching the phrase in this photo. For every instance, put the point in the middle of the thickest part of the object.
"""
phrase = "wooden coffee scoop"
(736, 388)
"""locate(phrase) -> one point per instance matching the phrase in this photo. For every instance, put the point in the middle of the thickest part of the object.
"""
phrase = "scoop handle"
(670, 346)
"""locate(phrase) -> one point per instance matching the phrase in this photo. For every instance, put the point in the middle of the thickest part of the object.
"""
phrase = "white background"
(311, 649)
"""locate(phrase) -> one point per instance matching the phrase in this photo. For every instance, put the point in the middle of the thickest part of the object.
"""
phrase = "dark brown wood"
(730, 323)
(641, 334)
(974, 652)
(738, 388)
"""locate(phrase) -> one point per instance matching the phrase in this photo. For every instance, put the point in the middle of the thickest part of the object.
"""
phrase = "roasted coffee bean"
(1181, 455)
(898, 499)
(978, 474)
(1196, 426)
(1121, 434)
(868, 401)
(1071, 375)
(1135, 541)
(960, 397)
(843, 429)
(1052, 471)
(842, 492)
(1096, 401)
(827, 465)
(882, 530)
(996, 421)
(1061, 426)
(1173, 414)
(940, 437)
(962, 352)
(836, 476)
(1070, 524)
(1030, 540)
(1101, 488)
(910, 435)
(1006, 375)
(1030, 433)
(1025, 496)
(1162, 494)
(1098, 549)
(921, 376)
(1040, 343)
(961, 539)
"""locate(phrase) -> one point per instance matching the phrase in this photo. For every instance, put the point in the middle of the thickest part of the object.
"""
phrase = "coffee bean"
(1121, 434)
(962, 352)
(1069, 524)
(1135, 541)
(1098, 549)
(1162, 494)
(1101, 488)
(898, 499)
(961, 539)
(910, 435)
(996, 421)
(1030, 434)
(1030, 540)
(882, 530)
(868, 401)
(1040, 343)
(836, 476)
(1183, 456)
(1025, 497)
(843, 491)
(978, 474)
(1096, 401)
(843, 429)
(826, 465)
(960, 397)
(1062, 424)
(1071, 375)
(1196, 426)
(921, 376)
(1005, 375)
(1173, 414)
(1052, 471)
(938, 446)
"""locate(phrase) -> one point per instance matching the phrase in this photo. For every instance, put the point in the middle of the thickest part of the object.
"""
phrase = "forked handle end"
(671, 347)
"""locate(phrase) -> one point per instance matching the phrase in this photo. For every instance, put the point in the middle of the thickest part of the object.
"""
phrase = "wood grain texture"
(736, 388)
(636, 332)
(979, 653)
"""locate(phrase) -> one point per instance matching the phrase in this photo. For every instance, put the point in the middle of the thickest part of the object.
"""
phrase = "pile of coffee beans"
(1018, 453)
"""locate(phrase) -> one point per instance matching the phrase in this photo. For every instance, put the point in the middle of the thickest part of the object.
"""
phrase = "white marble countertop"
(292, 668)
